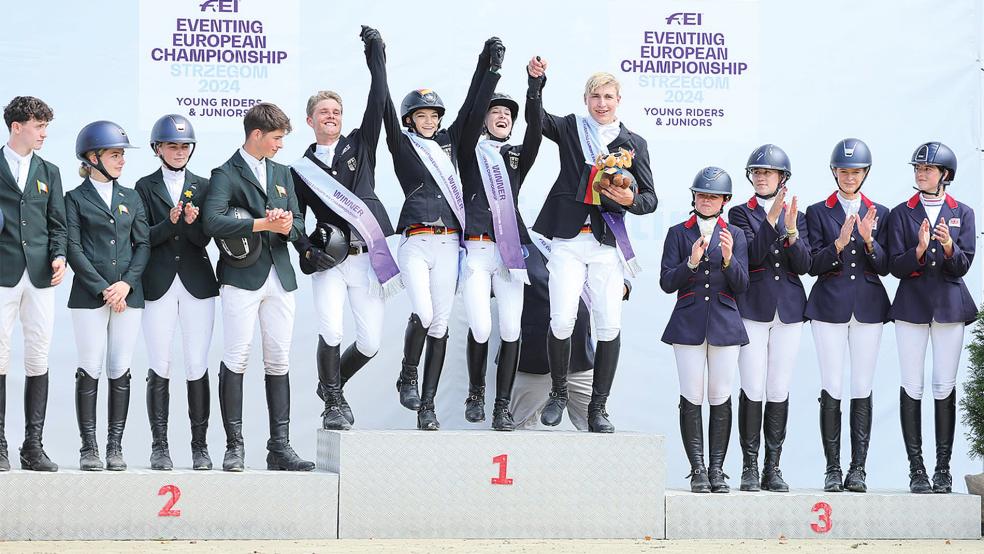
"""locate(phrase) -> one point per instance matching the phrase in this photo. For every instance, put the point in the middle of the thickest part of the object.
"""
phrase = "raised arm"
(534, 124)
(378, 93)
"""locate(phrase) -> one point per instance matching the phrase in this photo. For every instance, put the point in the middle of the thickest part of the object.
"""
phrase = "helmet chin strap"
(840, 188)
(774, 193)
(694, 211)
(940, 187)
(495, 138)
(169, 166)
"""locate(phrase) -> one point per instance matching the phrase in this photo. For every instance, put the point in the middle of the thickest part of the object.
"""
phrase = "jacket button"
(852, 277)
(776, 277)
(777, 264)
(177, 258)
(854, 251)
(438, 195)
(112, 241)
(854, 264)
(775, 251)
(707, 298)
(333, 172)
(22, 202)
(25, 223)
(176, 237)
(932, 263)
(932, 250)
(24, 242)
(707, 272)
(852, 239)
(114, 262)
(707, 285)
(111, 220)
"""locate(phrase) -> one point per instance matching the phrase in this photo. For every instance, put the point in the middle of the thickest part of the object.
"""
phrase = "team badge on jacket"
(351, 164)
(281, 191)
(123, 209)
(514, 159)
(42, 188)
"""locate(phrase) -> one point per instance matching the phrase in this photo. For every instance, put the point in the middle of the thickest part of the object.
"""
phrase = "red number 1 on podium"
(503, 462)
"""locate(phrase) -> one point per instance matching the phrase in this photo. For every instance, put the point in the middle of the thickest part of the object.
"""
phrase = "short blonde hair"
(85, 170)
(599, 80)
(322, 95)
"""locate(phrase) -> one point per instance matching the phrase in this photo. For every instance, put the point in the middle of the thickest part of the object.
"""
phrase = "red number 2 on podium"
(824, 518)
(503, 461)
(167, 510)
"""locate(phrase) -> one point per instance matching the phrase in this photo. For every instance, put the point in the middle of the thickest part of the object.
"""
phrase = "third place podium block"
(485, 484)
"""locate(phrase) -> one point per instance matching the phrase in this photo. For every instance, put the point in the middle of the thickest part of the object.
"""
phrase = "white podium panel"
(486, 484)
(816, 514)
(180, 504)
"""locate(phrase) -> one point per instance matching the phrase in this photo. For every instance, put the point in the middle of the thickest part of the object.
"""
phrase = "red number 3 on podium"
(824, 518)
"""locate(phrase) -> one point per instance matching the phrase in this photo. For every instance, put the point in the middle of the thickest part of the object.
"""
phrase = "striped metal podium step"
(486, 484)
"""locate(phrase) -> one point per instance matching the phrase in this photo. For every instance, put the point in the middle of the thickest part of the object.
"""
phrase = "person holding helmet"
(705, 264)
(931, 246)
(847, 306)
(583, 216)
(251, 202)
(32, 249)
(108, 248)
(496, 242)
(347, 254)
(181, 288)
(771, 310)
(426, 158)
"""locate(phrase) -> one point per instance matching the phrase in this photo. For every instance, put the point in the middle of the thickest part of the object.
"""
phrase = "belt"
(355, 249)
(483, 236)
(585, 229)
(428, 230)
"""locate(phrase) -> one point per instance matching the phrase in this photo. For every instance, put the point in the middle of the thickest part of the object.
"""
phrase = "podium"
(178, 504)
(487, 484)
(804, 514)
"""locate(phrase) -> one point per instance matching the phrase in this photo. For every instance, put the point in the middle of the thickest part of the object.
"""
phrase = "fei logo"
(685, 18)
(223, 6)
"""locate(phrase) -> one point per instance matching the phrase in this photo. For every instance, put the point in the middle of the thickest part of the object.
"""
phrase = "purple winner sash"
(352, 209)
(498, 191)
(591, 146)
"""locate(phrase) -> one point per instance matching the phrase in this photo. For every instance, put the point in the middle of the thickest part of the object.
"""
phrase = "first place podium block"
(179, 504)
(485, 484)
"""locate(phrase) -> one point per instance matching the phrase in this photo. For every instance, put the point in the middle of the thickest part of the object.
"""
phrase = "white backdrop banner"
(705, 82)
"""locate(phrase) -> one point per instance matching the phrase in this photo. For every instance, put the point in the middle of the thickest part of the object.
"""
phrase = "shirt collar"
(172, 175)
(253, 162)
(14, 157)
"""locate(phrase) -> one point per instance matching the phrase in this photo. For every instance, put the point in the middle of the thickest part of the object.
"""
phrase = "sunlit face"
(29, 134)
(326, 120)
(765, 181)
(112, 160)
(850, 178)
(602, 103)
(426, 121)
(499, 121)
(266, 144)
(708, 204)
(927, 177)
(175, 154)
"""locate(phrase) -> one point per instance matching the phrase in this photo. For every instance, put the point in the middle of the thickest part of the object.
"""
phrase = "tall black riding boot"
(32, 454)
(718, 436)
(505, 375)
(119, 405)
(477, 354)
(910, 413)
(413, 345)
(433, 364)
(692, 432)
(4, 459)
(199, 407)
(158, 407)
(776, 416)
(559, 358)
(749, 433)
(86, 389)
(231, 406)
(830, 436)
(860, 438)
(946, 421)
(330, 386)
(605, 364)
(280, 455)
(352, 361)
